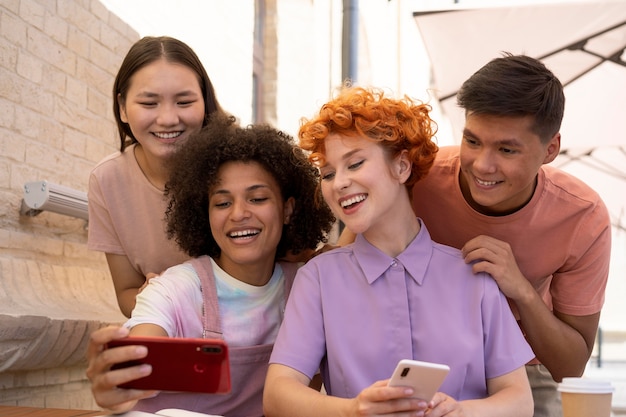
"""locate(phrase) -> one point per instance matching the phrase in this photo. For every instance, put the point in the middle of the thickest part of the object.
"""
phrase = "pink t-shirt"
(561, 239)
(127, 215)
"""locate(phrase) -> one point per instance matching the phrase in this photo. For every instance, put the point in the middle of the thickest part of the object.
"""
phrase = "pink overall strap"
(211, 323)
(289, 272)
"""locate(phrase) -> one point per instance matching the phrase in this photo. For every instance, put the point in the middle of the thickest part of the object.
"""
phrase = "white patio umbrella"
(583, 43)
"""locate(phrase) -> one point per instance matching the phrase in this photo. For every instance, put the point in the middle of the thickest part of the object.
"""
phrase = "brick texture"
(57, 64)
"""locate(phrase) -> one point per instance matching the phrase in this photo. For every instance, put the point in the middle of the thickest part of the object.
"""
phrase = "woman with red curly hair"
(393, 294)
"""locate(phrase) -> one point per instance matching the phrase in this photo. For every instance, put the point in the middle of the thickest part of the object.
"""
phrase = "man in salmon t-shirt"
(543, 235)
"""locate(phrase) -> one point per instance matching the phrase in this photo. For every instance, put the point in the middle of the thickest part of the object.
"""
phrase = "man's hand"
(562, 342)
(496, 258)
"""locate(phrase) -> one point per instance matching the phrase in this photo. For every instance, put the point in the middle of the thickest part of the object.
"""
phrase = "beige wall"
(57, 64)
(219, 31)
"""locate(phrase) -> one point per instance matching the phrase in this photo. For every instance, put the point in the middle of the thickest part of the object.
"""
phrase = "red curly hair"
(396, 124)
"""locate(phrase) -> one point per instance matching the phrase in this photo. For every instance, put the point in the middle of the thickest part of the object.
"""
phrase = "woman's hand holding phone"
(424, 377)
(104, 381)
(178, 364)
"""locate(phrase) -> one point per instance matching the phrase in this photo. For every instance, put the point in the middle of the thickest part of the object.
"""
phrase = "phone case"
(180, 364)
(424, 377)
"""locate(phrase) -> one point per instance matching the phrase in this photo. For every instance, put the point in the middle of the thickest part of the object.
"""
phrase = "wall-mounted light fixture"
(43, 195)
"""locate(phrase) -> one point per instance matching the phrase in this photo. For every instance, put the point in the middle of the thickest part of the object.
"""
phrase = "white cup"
(584, 397)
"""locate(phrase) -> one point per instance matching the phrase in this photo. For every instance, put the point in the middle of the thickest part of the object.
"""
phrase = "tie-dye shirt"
(250, 315)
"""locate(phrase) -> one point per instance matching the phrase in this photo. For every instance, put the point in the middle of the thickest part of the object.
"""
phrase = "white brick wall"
(53, 388)
(58, 60)
(57, 65)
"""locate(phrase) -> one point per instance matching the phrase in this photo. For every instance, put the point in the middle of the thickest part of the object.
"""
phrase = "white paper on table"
(176, 412)
(167, 412)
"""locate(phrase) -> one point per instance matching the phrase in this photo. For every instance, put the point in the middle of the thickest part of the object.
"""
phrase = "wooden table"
(15, 411)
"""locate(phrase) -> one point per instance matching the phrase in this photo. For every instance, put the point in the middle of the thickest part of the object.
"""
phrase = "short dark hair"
(516, 85)
(146, 51)
(193, 172)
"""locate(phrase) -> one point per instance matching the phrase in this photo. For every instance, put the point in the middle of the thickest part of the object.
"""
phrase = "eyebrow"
(509, 141)
(150, 94)
(346, 156)
(254, 187)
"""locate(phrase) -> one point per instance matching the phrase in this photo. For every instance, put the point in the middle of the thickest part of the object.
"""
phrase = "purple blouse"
(354, 312)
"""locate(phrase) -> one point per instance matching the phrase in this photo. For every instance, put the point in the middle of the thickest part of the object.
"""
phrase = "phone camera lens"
(211, 349)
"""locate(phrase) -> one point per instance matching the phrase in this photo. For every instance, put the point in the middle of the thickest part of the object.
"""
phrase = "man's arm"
(563, 343)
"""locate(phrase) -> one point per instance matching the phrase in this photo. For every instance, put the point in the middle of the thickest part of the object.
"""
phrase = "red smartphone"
(180, 364)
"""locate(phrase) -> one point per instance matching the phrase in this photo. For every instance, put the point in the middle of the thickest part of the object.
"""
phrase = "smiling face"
(363, 186)
(500, 158)
(162, 107)
(247, 214)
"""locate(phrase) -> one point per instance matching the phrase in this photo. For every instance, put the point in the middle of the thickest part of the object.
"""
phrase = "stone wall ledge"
(30, 342)
(49, 309)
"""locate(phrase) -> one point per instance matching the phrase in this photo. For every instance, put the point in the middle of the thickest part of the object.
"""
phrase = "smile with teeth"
(353, 200)
(486, 183)
(244, 233)
(170, 135)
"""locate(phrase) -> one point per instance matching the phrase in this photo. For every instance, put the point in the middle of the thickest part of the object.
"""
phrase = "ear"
(122, 104)
(290, 204)
(553, 148)
(402, 166)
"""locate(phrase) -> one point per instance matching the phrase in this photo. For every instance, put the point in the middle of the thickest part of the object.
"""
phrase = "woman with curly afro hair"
(240, 198)
(194, 173)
